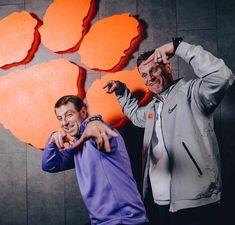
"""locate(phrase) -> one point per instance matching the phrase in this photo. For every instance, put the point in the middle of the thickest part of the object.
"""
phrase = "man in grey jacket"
(180, 158)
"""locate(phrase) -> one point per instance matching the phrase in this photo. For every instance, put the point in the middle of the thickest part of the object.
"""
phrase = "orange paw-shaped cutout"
(100, 102)
(63, 23)
(27, 108)
(17, 39)
(108, 39)
(30, 94)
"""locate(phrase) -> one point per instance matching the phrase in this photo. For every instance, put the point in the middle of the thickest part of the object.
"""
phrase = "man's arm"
(55, 159)
(128, 102)
(96, 129)
(214, 76)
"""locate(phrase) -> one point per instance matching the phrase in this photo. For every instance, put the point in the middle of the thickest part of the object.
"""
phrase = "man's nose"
(64, 121)
(150, 76)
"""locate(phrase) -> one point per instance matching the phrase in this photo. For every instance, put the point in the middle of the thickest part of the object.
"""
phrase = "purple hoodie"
(105, 180)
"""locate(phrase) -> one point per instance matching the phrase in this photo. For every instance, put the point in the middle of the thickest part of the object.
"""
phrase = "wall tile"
(38, 180)
(37, 7)
(46, 208)
(6, 10)
(13, 208)
(160, 28)
(197, 37)
(109, 8)
(75, 210)
(45, 192)
(160, 20)
(198, 14)
(9, 143)
(11, 2)
(226, 31)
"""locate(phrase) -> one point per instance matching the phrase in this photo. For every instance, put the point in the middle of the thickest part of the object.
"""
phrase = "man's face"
(70, 119)
(157, 77)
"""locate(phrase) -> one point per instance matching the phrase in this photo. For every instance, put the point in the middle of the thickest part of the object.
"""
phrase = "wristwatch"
(176, 41)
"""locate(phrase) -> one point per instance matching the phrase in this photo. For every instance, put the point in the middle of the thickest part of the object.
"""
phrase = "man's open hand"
(60, 138)
(100, 132)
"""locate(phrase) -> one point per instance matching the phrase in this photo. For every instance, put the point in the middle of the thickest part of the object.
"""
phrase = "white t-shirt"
(159, 170)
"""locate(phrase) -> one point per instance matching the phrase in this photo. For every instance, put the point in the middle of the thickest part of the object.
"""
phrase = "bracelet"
(88, 120)
(92, 118)
(176, 41)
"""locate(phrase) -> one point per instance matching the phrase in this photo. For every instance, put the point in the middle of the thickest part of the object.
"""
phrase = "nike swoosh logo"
(170, 110)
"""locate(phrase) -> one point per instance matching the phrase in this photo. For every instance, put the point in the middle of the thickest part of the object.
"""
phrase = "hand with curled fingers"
(100, 132)
(162, 54)
(60, 138)
(111, 86)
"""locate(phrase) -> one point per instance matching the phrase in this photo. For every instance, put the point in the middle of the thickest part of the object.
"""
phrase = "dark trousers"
(203, 215)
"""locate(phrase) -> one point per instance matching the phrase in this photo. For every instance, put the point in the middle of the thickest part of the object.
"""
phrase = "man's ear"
(168, 68)
(83, 112)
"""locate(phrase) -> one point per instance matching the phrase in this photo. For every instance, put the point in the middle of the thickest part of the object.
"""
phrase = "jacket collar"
(168, 91)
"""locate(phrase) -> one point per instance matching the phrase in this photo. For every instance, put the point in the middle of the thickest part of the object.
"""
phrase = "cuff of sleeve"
(49, 141)
(182, 50)
(121, 89)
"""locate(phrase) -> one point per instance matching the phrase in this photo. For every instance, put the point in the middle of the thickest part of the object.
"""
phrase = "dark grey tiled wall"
(32, 197)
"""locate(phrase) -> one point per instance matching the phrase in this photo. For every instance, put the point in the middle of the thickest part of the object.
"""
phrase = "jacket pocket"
(192, 159)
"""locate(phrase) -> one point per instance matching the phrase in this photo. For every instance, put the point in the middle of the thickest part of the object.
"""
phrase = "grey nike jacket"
(187, 128)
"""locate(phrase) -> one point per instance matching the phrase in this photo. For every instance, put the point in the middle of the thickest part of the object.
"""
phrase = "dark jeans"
(203, 215)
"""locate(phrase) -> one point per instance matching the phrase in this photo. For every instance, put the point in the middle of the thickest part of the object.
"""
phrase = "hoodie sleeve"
(55, 160)
(214, 77)
(130, 106)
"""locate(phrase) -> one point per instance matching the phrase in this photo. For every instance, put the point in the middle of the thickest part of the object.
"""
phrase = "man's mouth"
(67, 129)
(156, 81)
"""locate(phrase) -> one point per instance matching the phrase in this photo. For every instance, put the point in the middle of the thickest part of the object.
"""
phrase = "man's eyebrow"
(150, 69)
(148, 61)
(156, 66)
(68, 111)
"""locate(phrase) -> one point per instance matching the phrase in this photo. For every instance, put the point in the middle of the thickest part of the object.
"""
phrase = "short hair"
(78, 103)
(144, 56)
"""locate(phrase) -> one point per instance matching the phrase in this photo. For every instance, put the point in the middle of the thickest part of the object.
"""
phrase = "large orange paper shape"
(106, 104)
(28, 98)
(108, 39)
(63, 24)
(17, 36)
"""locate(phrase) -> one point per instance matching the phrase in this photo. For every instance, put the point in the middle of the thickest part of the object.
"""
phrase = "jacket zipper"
(191, 157)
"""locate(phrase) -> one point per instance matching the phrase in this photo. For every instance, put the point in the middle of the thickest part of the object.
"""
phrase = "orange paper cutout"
(106, 42)
(63, 24)
(36, 89)
(27, 108)
(19, 39)
(100, 102)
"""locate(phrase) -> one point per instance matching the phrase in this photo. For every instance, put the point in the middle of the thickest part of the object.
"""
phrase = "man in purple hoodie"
(105, 178)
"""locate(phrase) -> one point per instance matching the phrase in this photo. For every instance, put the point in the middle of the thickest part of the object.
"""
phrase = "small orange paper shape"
(63, 24)
(16, 39)
(27, 108)
(107, 105)
(107, 40)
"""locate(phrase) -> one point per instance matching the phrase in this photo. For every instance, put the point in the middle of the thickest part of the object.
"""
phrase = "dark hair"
(144, 56)
(78, 103)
